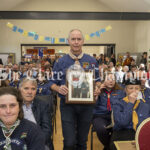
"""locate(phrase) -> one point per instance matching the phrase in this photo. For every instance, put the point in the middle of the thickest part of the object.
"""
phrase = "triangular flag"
(20, 30)
(52, 40)
(56, 40)
(66, 40)
(97, 33)
(47, 38)
(41, 38)
(108, 28)
(92, 34)
(25, 33)
(87, 37)
(10, 25)
(36, 36)
(30, 34)
(14, 28)
(102, 30)
(61, 39)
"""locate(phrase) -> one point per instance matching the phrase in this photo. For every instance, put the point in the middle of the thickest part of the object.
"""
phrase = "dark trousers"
(121, 135)
(76, 121)
(99, 123)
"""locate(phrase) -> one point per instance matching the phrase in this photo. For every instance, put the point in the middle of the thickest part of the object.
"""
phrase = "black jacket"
(41, 111)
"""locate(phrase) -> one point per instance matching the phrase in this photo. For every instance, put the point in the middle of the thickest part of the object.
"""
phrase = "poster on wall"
(41, 50)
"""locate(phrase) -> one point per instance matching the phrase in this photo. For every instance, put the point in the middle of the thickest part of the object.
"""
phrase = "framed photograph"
(81, 87)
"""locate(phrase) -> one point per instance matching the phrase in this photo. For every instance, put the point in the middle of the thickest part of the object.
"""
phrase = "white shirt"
(28, 114)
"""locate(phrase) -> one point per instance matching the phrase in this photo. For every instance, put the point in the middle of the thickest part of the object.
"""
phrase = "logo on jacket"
(23, 135)
(85, 65)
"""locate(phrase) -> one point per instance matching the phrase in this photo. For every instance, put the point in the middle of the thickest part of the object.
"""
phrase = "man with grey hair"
(36, 110)
(76, 118)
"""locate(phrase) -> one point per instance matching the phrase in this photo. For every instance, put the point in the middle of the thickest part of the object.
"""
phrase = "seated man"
(36, 110)
(129, 113)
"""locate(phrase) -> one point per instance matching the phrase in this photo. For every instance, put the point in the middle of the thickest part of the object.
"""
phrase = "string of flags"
(54, 40)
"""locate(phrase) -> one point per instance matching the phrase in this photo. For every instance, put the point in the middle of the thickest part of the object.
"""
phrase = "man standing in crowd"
(76, 118)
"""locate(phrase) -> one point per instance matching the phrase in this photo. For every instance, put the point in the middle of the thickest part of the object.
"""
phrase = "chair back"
(142, 136)
(49, 99)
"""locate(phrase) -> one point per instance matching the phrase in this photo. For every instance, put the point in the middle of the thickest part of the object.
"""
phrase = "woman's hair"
(28, 79)
(116, 86)
(15, 92)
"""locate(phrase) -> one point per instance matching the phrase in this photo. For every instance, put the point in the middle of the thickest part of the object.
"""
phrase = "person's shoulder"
(147, 89)
(121, 93)
(41, 100)
(28, 124)
(87, 56)
(30, 128)
(63, 58)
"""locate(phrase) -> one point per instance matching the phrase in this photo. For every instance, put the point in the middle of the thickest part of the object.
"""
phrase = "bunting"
(54, 40)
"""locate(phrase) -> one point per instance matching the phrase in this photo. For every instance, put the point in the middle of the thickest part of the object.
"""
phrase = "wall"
(61, 5)
(142, 36)
(122, 33)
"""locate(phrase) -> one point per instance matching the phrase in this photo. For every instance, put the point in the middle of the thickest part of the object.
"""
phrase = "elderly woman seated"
(36, 110)
(17, 133)
(129, 113)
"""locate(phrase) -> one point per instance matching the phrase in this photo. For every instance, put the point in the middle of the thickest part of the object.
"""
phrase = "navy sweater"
(27, 136)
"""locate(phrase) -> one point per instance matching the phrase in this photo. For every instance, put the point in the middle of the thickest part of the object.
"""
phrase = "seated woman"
(110, 92)
(36, 110)
(129, 113)
(17, 133)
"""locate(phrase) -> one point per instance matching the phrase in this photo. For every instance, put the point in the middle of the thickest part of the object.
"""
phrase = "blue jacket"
(101, 104)
(43, 89)
(123, 114)
(146, 95)
(87, 62)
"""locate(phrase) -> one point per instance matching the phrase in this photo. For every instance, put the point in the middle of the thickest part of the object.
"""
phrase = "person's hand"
(98, 90)
(133, 97)
(63, 90)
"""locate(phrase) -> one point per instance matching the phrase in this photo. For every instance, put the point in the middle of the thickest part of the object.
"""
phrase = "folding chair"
(143, 135)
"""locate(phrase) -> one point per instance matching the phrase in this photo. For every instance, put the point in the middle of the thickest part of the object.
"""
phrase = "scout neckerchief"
(134, 114)
(76, 58)
(7, 133)
(108, 99)
(142, 90)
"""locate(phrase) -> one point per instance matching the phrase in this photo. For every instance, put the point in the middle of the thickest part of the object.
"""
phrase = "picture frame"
(80, 87)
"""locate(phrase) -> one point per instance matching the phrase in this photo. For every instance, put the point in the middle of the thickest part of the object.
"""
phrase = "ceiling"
(111, 5)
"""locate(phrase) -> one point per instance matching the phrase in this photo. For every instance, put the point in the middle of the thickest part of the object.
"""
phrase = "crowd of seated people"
(32, 80)
(118, 113)
(118, 94)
